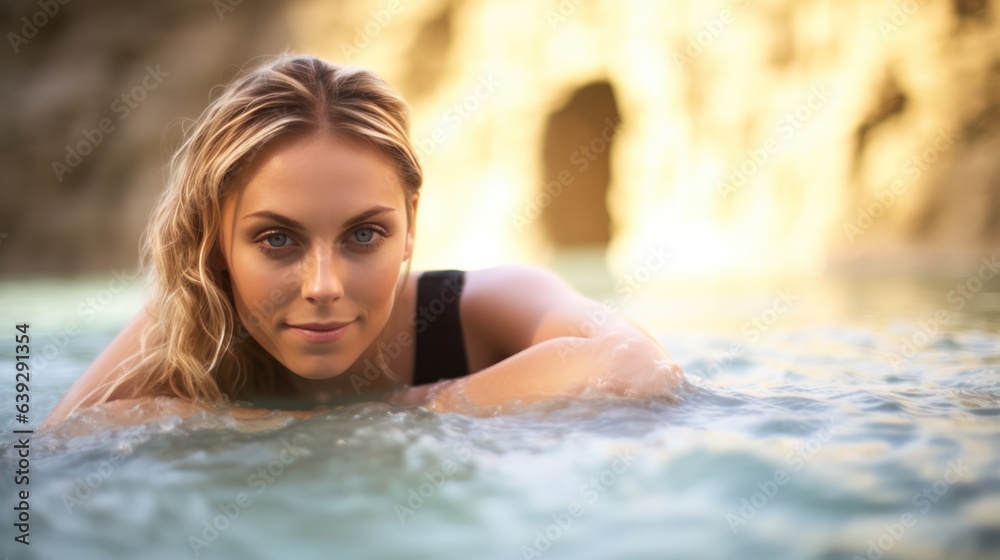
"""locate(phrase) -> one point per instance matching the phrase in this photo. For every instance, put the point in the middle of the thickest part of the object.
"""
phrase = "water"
(823, 436)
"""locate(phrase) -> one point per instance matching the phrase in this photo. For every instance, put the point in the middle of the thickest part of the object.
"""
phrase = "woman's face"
(314, 235)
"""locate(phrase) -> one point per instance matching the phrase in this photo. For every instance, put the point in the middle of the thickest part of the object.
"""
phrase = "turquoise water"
(826, 419)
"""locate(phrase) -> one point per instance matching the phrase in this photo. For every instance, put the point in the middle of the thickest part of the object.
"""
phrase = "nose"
(321, 277)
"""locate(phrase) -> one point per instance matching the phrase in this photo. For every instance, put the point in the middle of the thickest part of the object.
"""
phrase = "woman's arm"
(557, 342)
(621, 363)
(124, 406)
(108, 367)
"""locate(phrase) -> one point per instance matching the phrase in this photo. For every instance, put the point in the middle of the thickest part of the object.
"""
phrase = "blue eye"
(369, 237)
(274, 243)
(277, 240)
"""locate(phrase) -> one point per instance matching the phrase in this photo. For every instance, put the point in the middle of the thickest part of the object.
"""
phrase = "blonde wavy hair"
(194, 345)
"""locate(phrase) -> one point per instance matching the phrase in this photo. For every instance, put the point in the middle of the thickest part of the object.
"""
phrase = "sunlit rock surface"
(741, 136)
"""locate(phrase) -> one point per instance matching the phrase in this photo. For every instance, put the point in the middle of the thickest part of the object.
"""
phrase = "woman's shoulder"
(484, 289)
(477, 317)
(514, 306)
(519, 273)
(516, 284)
(517, 276)
(106, 371)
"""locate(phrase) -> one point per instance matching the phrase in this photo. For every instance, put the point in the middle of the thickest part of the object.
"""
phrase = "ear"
(408, 250)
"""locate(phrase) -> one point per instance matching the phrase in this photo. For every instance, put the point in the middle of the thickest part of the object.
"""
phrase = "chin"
(316, 373)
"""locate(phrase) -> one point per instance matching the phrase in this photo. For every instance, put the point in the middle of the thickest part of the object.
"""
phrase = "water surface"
(826, 419)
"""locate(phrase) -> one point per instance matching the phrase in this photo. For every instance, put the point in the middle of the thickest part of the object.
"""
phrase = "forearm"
(544, 371)
(625, 362)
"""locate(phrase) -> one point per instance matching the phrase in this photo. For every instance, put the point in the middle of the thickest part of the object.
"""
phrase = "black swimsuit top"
(440, 352)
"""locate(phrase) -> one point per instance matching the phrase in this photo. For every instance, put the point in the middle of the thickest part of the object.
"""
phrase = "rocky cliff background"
(740, 136)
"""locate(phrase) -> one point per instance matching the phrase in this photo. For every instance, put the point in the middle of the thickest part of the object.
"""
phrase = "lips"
(320, 326)
(321, 332)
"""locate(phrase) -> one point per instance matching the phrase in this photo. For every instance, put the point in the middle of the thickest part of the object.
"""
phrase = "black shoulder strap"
(440, 346)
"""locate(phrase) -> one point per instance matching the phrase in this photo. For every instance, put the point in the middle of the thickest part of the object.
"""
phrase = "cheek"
(374, 286)
(250, 317)
(258, 292)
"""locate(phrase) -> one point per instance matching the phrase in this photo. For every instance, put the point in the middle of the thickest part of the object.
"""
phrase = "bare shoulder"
(517, 280)
(513, 307)
(509, 284)
(107, 368)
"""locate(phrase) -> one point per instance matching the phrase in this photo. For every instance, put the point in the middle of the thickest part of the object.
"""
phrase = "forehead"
(318, 171)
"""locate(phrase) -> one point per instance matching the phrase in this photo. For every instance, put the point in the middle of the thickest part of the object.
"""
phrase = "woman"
(276, 256)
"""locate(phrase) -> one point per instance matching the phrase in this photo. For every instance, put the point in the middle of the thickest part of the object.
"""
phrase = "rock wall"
(741, 136)
(93, 103)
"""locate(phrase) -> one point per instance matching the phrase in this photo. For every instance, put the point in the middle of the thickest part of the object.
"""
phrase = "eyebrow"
(285, 220)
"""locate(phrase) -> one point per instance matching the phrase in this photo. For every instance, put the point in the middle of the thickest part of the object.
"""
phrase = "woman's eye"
(369, 238)
(365, 235)
(277, 240)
